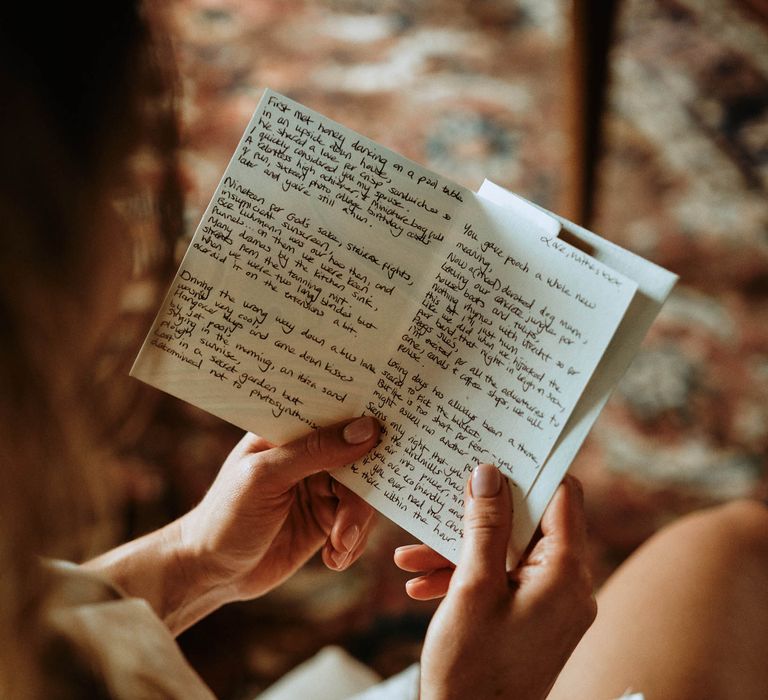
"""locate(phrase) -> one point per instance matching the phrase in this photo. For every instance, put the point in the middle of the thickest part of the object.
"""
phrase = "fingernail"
(486, 481)
(349, 537)
(338, 558)
(359, 431)
(406, 547)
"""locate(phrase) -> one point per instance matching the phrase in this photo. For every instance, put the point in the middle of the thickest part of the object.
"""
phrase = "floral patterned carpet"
(474, 89)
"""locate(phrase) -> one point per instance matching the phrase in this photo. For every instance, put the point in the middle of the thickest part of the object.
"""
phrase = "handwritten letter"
(330, 276)
(489, 369)
(287, 300)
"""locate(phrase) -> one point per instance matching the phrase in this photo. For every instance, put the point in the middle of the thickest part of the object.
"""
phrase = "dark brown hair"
(88, 100)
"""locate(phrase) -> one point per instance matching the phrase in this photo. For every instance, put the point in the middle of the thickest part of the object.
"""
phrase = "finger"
(353, 520)
(324, 448)
(556, 569)
(487, 523)
(357, 551)
(419, 557)
(332, 559)
(564, 522)
(429, 586)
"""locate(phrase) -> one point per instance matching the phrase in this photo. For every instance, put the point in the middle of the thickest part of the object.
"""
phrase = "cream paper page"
(654, 286)
(330, 276)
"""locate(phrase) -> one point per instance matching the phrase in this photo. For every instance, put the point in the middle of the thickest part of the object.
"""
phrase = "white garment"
(125, 648)
(332, 674)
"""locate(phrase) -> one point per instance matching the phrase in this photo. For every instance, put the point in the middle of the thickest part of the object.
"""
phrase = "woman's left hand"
(269, 509)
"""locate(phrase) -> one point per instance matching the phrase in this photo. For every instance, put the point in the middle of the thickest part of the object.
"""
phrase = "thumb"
(487, 523)
(322, 449)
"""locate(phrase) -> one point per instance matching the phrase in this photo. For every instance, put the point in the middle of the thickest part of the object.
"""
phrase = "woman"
(81, 106)
(88, 95)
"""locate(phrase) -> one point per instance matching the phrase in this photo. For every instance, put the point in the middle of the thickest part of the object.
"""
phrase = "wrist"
(193, 589)
(164, 570)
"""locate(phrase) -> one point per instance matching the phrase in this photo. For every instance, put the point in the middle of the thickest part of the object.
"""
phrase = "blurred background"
(671, 161)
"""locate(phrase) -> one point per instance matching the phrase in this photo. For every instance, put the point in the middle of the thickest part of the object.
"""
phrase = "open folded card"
(331, 277)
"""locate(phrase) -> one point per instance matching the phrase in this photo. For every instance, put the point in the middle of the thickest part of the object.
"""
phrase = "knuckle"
(484, 519)
(253, 464)
(252, 469)
(465, 587)
(474, 591)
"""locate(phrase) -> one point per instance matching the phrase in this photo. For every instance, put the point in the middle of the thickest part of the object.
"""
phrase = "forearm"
(158, 568)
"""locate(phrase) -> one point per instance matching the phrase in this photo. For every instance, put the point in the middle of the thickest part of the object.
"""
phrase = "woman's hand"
(500, 634)
(269, 510)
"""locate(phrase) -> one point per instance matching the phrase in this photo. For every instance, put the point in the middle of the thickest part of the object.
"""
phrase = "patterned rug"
(473, 89)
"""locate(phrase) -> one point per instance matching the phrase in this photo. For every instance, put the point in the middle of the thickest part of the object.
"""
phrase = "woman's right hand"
(502, 634)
